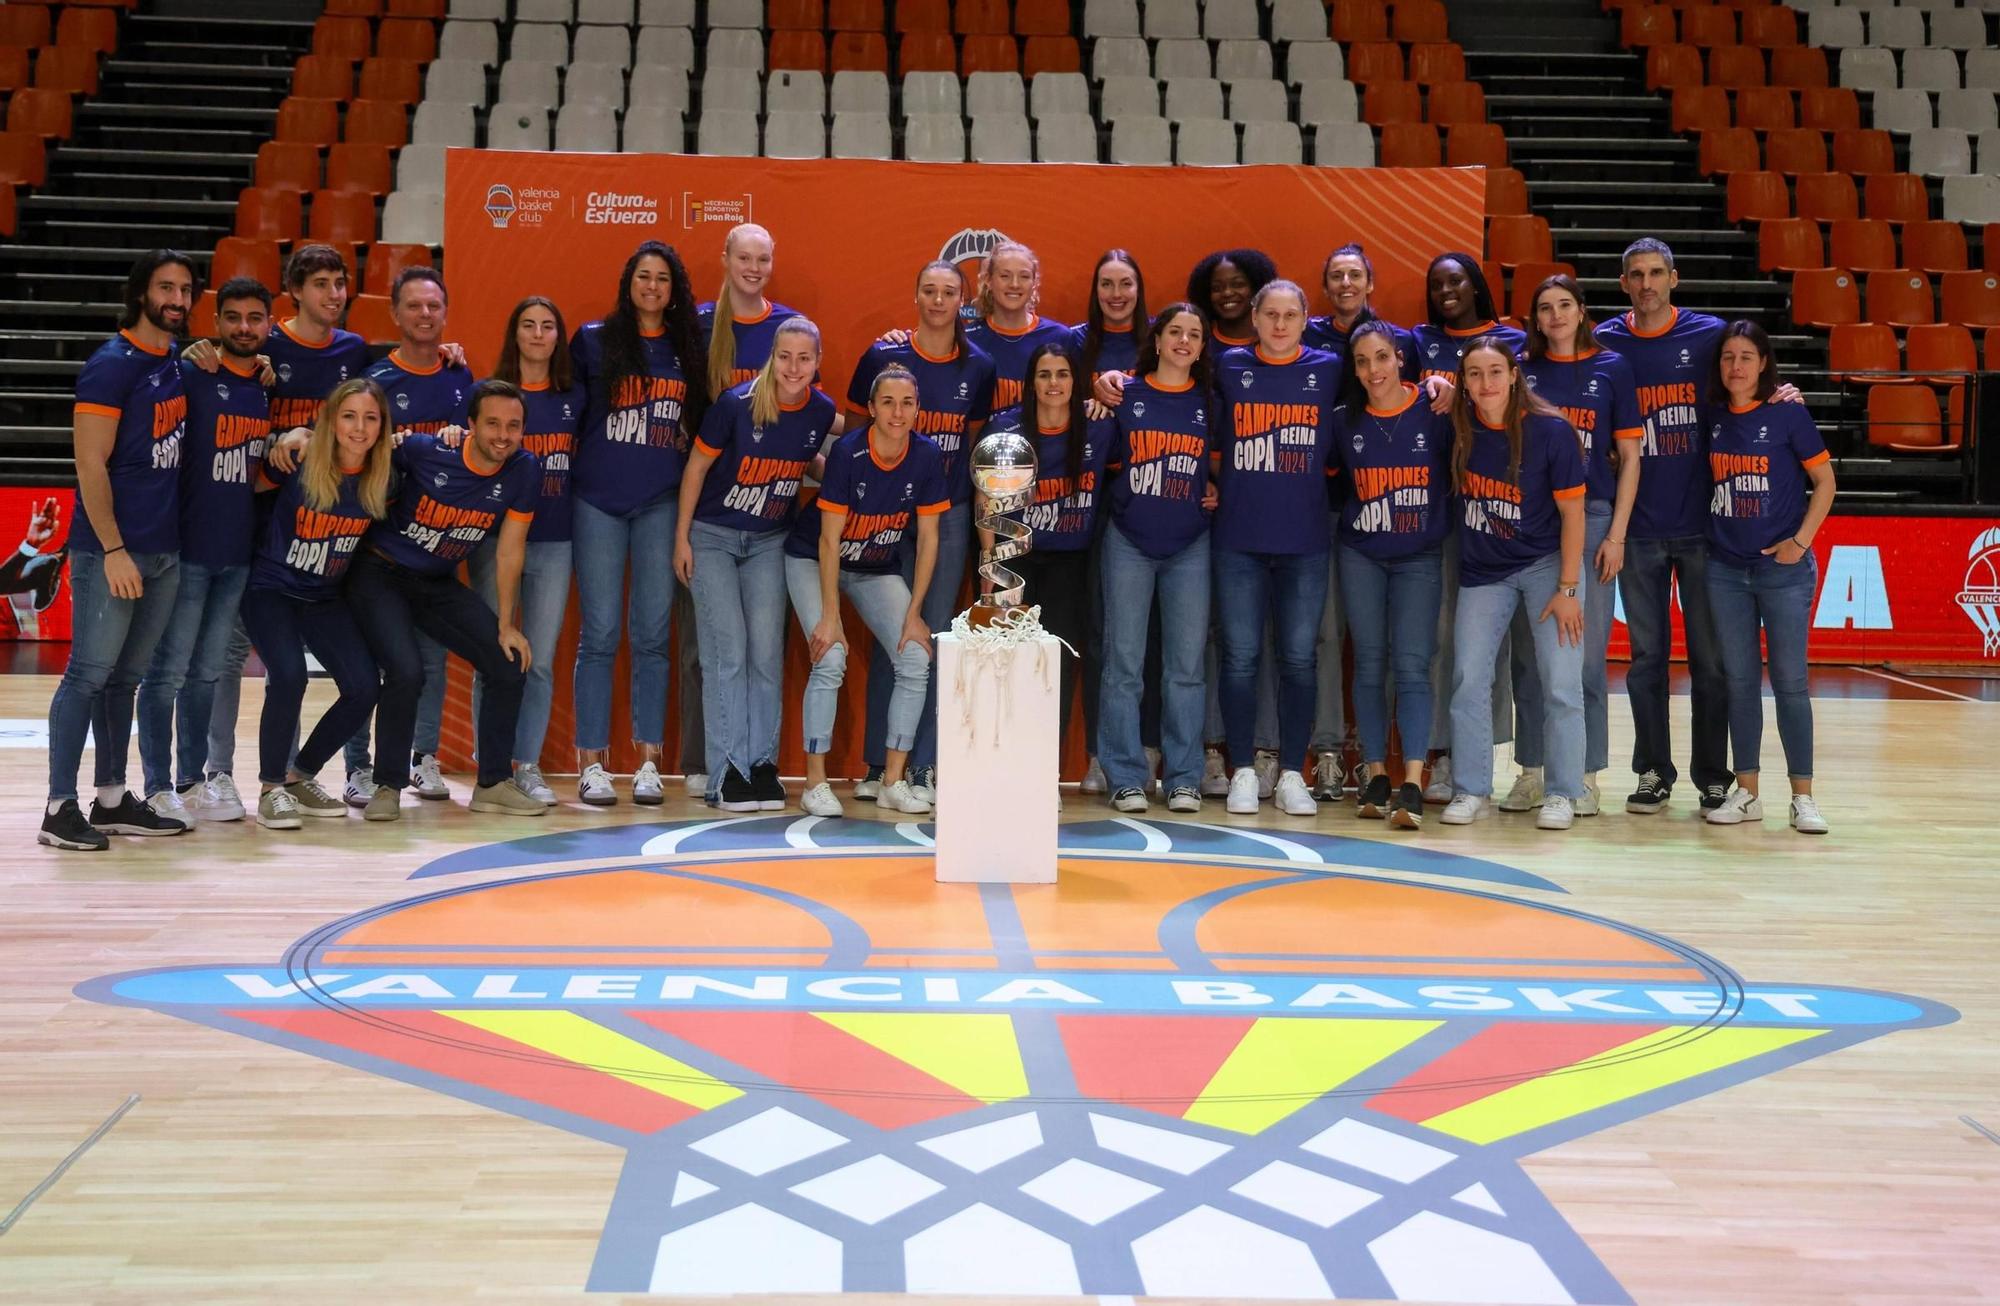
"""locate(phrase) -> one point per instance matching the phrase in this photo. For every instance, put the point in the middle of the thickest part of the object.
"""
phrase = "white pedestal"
(997, 800)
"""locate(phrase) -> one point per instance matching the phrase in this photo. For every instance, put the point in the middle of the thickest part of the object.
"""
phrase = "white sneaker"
(900, 797)
(1292, 796)
(1129, 800)
(1556, 813)
(1155, 786)
(1439, 789)
(427, 780)
(1243, 792)
(1093, 778)
(1740, 806)
(1214, 775)
(695, 785)
(1328, 782)
(1265, 764)
(646, 788)
(1465, 809)
(167, 805)
(360, 788)
(215, 799)
(1587, 805)
(923, 783)
(1526, 795)
(531, 782)
(1805, 815)
(819, 801)
(594, 786)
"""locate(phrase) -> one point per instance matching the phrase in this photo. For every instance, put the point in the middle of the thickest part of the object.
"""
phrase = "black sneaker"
(1713, 796)
(1374, 800)
(66, 828)
(738, 794)
(869, 786)
(131, 816)
(1408, 813)
(766, 788)
(1651, 795)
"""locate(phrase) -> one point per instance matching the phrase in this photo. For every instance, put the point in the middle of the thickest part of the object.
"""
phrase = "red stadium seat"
(1359, 20)
(201, 318)
(1756, 196)
(368, 317)
(1708, 25)
(416, 8)
(1941, 349)
(341, 37)
(795, 15)
(1700, 108)
(1050, 54)
(88, 29)
(288, 165)
(1771, 27)
(356, 8)
(858, 16)
(1906, 417)
(1765, 108)
(385, 260)
(1863, 151)
(990, 54)
(396, 80)
(367, 169)
(1862, 347)
(10, 211)
(1456, 102)
(323, 77)
(378, 122)
(24, 160)
(1670, 66)
(981, 18)
(1729, 149)
(1900, 297)
(1788, 244)
(1436, 61)
(1896, 197)
(1647, 25)
(1829, 108)
(1862, 245)
(407, 38)
(1042, 18)
(1800, 66)
(1795, 150)
(1513, 240)
(1374, 61)
(1410, 145)
(927, 52)
(1527, 278)
(860, 52)
(342, 217)
(1825, 297)
(1735, 66)
(1972, 298)
(1935, 247)
(1419, 20)
(24, 26)
(1827, 196)
(795, 49)
(66, 68)
(1387, 102)
(317, 122)
(268, 214)
(16, 68)
(923, 16)
(1506, 188)
(237, 256)
(43, 112)
(1477, 145)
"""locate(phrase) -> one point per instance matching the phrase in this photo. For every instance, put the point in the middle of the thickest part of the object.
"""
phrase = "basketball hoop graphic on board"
(1980, 598)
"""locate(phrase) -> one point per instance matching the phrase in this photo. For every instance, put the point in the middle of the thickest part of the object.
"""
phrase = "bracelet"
(119, 549)
(1619, 543)
(1802, 544)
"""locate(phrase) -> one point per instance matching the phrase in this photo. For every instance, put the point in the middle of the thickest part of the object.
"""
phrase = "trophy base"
(984, 612)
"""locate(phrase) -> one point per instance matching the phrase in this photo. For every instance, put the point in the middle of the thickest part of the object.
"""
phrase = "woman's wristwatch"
(1566, 588)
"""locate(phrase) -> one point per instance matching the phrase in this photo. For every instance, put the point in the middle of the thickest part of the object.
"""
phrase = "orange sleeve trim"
(1332, 472)
(1629, 433)
(932, 509)
(828, 505)
(515, 514)
(1573, 492)
(1818, 458)
(100, 410)
(707, 448)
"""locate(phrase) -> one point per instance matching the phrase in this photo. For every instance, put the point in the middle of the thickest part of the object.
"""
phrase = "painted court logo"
(1209, 1062)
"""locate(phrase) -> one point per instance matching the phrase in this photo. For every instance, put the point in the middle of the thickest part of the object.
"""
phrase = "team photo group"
(1258, 509)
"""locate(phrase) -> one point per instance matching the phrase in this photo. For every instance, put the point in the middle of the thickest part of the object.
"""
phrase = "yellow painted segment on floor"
(976, 1055)
(1283, 1063)
(1682, 1056)
(575, 1038)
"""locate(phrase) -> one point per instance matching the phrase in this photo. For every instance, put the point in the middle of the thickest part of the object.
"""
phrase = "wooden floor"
(253, 1171)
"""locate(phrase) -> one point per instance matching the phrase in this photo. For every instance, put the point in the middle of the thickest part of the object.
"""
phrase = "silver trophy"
(1003, 470)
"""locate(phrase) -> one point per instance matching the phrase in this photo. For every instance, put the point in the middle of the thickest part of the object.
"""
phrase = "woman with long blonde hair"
(742, 322)
(294, 601)
(1010, 324)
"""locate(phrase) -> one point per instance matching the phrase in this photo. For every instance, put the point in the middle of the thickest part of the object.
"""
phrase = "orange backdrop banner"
(850, 237)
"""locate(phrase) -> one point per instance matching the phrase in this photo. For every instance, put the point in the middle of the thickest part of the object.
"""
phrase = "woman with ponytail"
(741, 323)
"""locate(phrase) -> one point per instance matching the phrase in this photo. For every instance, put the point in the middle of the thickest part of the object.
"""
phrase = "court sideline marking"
(68, 1161)
(1918, 684)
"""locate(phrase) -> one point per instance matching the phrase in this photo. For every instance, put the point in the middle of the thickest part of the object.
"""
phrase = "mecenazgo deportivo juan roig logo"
(1207, 1062)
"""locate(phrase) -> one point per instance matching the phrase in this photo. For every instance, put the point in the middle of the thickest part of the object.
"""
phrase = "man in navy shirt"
(131, 411)
(404, 585)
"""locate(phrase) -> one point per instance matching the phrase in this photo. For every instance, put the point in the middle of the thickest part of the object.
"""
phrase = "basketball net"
(989, 653)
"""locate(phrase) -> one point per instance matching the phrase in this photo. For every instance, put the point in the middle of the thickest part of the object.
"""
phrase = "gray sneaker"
(315, 801)
(528, 777)
(384, 805)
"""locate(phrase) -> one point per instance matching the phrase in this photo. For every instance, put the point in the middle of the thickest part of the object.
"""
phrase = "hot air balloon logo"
(1980, 596)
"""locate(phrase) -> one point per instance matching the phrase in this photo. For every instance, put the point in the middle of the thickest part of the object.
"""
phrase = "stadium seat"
(1343, 145)
(1670, 66)
(1142, 141)
(445, 125)
(1729, 149)
(1194, 97)
(341, 37)
(1169, 19)
(978, 18)
(342, 217)
(67, 69)
(1900, 297)
(995, 94)
(1940, 152)
(926, 52)
(795, 15)
(731, 90)
(1392, 102)
(862, 134)
(1708, 25)
(668, 13)
(1755, 196)
(288, 165)
(1456, 102)
(1181, 58)
(588, 128)
(1972, 298)
(368, 316)
(267, 213)
(858, 52)
(1827, 196)
(733, 48)
(1969, 109)
(315, 122)
(27, 26)
(518, 126)
(934, 92)
(1765, 108)
(795, 91)
(1333, 101)
(1896, 197)
(728, 132)
(855, 16)
(1243, 61)
(1299, 21)
(605, 45)
(990, 54)
(868, 92)
(322, 77)
(1935, 247)
(1120, 56)
(1110, 18)
(460, 81)
(1943, 352)
(1050, 54)
(24, 160)
(1770, 26)
(365, 169)
(654, 129)
(747, 14)
(545, 11)
(1129, 97)
(1506, 190)
(1856, 347)
(1800, 66)
(793, 135)
(617, 13)
(1930, 70)
(407, 38)
(1868, 69)
(598, 84)
(377, 122)
(1861, 245)
(671, 47)
(1359, 20)
(1644, 25)
(1735, 66)
(530, 81)
(1897, 28)
(1410, 145)
(1959, 29)
(16, 69)
(1519, 238)
(1066, 138)
(1825, 297)
(1259, 101)
(397, 80)
(1272, 142)
(1205, 142)
(1042, 17)
(1699, 109)
(1315, 61)
(1901, 110)
(473, 42)
(1476, 145)
(1372, 62)
(805, 51)
(1829, 108)
(1419, 20)
(1437, 61)
(1905, 417)
(420, 166)
(237, 256)
(1788, 244)
(1002, 138)
(1053, 93)
(1982, 69)
(934, 138)
(1863, 152)
(1795, 150)
(668, 88)
(1969, 199)
(1527, 277)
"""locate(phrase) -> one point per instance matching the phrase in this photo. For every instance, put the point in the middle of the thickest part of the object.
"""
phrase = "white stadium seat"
(669, 47)
(474, 42)
(729, 132)
(934, 138)
(594, 83)
(1940, 152)
(1836, 29)
(1242, 61)
(1120, 56)
(539, 43)
(795, 90)
(420, 168)
(517, 126)
(861, 91)
(544, 11)
(660, 86)
(413, 218)
(530, 81)
(1171, 18)
(736, 13)
(1272, 142)
(1930, 70)
(860, 133)
(1194, 97)
(1988, 151)
(485, 10)
(1206, 143)
(1311, 61)
(1066, 138)
(1001, 138)
(444, 124)
(1901, 111)
(731, 90)
(1868, 69)
(655, 129)
(456, 81)
(1969, 110)
(1110, 18)
(731, 48)
(1142, 141)
(1263, 101)
(995, 94)
(1299, 20)
(1329, 102)
(1982, 69)
(1958, 29)
(1059, 93)
(587, 128)
(666, 13)
(1344, 145)
(1129, 97)
(1899, 29)
(790, 135)
(616, 13)
(1176, 58)
(603, 45)
(931, 93)
(1229, 20)
(1972, 199)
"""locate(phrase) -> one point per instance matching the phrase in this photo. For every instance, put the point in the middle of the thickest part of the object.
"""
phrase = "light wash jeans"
(1775, 601)
(739, 598)
(1484, 614)
(882, 600)
(1131, 579)
(1598, 601)
(227, 704)
(545, 575)
(954, 547)
(1329, 731)
(1444, 664)
(602, 546)
(111, 642)
(186, 664)
(1392, 611)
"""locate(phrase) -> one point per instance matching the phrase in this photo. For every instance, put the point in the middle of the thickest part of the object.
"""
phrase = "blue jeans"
(1444, 668)
(1484, 614)
(111, 642)
(1290, 590)
(544, 599)
(1131, 580)
(285, 628)
(227, 703)
(1330, 709)
(1646, 585)
(939, 607)
(1776, 600)
(185, 667)
(739, 599)
(882, 600)
(1598, 600)
(602, 546)
(1391, 610)
(430, 709)
(1213, 730)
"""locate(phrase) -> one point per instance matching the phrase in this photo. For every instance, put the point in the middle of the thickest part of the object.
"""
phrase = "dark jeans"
(1776, 602)
(283, 628)
(1392, 612)
(1646, 585)
(1288, 589)
(111, 643)
(1059, 582)
(392, 604)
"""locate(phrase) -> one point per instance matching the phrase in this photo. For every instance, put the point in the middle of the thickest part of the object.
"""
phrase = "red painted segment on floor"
(1160, 1063)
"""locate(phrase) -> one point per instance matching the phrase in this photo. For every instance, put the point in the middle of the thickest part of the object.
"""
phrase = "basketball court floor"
(1224, 1059)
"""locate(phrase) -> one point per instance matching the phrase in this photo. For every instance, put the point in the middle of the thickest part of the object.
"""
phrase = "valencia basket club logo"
(1208, 1062)
(1980, 598)
(500, 204)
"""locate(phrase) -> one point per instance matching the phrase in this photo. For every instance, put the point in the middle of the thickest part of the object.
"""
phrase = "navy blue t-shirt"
(140, 389)
(878, 503)
(1758, 459)
(754, 336)
(1671, 367)
(1117, 350)
(228, 423)
(307, 374)
(302, 551)
(422, 401)
(954, 396)
(1276, 450)
(1063, 515)
(445, 507)
(1398, 477)
(754, 482)
(548, 431)
(1505, 525)
(1158, 466)
(630, 448)
(1323, 335)
(1009, 351)
(1595, 394)
(1438, 350)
